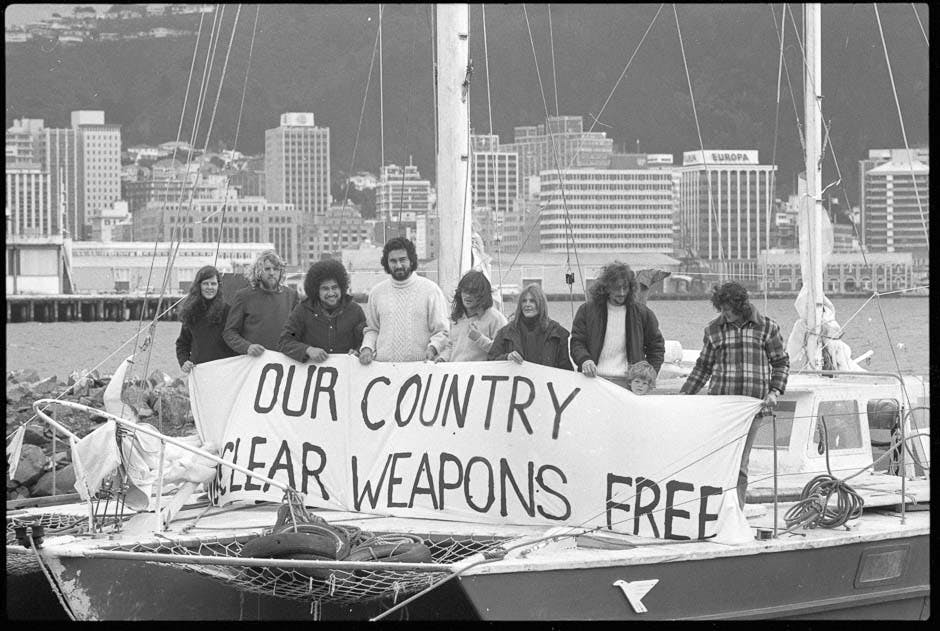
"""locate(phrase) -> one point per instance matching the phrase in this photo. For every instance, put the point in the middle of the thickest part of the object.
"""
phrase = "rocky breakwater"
(159, 400)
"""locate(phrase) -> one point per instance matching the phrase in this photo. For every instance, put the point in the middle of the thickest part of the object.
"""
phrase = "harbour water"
(899, 340)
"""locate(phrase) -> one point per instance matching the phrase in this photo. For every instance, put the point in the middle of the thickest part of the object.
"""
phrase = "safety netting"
(21, 560)
(324, 585)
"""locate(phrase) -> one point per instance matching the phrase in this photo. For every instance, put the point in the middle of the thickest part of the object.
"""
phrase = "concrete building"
(896, 202)
(36, 265)
(494, 175)
(341, 228)
(20, 140)
(99, 267)
(112, 224)
(403, 207)
(297, 164)
(607, 210)
(725, 204)
(846, 272)
(244, 220)
(98, 162)
(560, 143)
(29, 209)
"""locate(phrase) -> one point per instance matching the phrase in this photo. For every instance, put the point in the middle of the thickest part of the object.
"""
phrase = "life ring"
(402, 552)
(287, 544)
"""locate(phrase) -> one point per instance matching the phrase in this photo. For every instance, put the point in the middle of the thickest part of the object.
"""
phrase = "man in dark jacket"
(327, 321)
(612, 330)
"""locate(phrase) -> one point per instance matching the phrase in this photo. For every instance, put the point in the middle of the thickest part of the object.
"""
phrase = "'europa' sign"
(487, 442)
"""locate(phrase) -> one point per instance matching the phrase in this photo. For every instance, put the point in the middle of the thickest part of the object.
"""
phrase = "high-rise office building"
(403, 205)
(896, 201)
(607, 210)
(28, 208)
(98, 164)
(725, 204)
(297, 164)
(494, 175)
(560, 143)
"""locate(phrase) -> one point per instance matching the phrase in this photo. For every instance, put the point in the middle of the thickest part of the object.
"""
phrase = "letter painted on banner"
(475, 441)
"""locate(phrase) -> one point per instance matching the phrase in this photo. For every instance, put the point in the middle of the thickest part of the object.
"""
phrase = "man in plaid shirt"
(742, 353)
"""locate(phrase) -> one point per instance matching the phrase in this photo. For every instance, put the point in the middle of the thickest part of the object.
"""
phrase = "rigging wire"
(897, 103)
(773, 157)
(577, 151)
(551, 39)
(381, 95)
(489, 109)
(875, 295)
(922, 31)
(698, 130)
(569, 238)
(238, 126)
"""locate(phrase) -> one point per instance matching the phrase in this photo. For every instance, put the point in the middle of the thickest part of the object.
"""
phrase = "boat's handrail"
(901, 464)
(151, 432)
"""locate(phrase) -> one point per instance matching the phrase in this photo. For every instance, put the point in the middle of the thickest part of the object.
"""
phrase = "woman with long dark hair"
(474, 320)
(532, 335)
(203, 317)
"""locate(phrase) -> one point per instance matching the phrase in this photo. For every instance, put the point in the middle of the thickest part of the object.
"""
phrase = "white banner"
(489, 442)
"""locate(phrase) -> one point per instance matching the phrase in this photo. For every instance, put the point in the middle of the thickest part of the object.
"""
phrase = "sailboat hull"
(886, 579)
(820, 583)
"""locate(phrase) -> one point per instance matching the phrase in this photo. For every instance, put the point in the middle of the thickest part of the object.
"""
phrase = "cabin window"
(764, 436)
(842, 425)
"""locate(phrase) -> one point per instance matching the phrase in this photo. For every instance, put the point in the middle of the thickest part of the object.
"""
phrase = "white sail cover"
(483, 442)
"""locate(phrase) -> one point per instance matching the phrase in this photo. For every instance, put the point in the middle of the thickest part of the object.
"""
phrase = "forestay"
(486, 442)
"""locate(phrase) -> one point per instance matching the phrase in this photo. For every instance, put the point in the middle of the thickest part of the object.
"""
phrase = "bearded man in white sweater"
(406, 318)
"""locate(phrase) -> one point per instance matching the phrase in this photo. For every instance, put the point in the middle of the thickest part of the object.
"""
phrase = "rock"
(26, 375)
(64, 483)
(16, 391)
(159, 378)
(96, 394)
(36, 436)
(46, 386)
(175, 409)
(31, 467)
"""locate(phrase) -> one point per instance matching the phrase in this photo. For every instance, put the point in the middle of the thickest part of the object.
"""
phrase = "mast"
(811, 241)
(453, 154)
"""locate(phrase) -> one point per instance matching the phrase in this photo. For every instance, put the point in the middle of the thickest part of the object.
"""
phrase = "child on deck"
(641, 378)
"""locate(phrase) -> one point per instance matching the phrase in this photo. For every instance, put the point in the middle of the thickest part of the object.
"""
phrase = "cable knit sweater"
(404, 317)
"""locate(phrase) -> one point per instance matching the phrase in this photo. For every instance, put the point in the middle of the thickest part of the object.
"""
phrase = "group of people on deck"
(613, 335)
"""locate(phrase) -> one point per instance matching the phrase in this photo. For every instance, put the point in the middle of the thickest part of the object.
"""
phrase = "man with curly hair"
(406, 318)
(260, 310)
(742, 353)
(327, 320)
(612, 331)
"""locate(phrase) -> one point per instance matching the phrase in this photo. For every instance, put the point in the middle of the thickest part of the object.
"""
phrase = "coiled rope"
(813, 509)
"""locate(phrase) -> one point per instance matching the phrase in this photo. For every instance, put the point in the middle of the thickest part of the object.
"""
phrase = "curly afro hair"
(321, 271)
(612, 275)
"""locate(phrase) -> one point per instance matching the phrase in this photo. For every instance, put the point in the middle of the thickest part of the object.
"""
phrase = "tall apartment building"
(246, 220)
(560, 143)
(607, 210)
(725, 204)
(403, 203)
(896, 201)
(494, 174)
(28, 208)
(98, 162)
(297, 164)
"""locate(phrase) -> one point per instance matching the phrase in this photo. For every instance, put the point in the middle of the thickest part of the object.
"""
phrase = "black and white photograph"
(467, 312)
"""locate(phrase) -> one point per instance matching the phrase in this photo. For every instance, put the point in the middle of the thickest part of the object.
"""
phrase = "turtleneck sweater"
(404, 317)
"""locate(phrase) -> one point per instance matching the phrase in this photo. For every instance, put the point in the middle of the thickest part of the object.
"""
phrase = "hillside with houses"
(120, 22)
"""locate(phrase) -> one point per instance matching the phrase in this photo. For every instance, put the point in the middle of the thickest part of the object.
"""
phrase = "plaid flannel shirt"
(746, 358)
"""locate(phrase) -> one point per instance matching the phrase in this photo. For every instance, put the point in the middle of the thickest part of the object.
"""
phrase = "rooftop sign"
(720, 157)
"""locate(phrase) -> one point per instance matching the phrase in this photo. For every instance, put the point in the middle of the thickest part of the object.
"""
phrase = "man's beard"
(401, 274)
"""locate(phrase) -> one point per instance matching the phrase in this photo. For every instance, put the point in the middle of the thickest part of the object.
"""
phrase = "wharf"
(89, 307)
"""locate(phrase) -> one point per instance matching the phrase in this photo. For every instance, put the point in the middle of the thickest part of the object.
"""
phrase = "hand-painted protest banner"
(490, 442)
